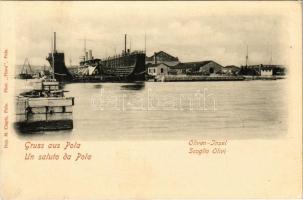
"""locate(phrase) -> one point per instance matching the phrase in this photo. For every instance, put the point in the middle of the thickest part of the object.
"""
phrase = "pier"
(176, 78)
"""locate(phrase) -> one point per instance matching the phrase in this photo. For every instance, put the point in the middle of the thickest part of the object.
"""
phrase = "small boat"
(45, 108)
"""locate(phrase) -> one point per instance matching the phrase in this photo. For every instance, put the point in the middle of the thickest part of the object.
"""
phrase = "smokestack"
(86, 55)
(55, 42)
(125, 43)
(90, 54)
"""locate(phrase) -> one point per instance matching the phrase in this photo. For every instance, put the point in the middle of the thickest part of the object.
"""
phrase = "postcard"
(150, 100)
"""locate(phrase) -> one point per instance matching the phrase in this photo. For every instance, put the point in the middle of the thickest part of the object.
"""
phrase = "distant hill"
(38, 68)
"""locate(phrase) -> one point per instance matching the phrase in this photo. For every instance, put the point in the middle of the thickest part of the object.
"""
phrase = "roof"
(178, 66)
(195, 66)
(163, 53)
(232, 67)
(201, 63)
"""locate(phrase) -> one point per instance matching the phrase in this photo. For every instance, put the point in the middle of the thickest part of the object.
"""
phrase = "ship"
(125, 67)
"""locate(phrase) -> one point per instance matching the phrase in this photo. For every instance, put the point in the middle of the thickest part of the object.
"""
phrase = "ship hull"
(129, 67)
(25, 76)
(61, 73)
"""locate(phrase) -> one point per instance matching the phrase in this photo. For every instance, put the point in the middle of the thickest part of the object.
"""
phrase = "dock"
(44, 109)
(184, 78)
(248, 78)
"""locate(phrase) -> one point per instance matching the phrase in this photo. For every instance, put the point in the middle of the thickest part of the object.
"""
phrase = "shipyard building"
(162, 57)
(207, 67)
(162, 63)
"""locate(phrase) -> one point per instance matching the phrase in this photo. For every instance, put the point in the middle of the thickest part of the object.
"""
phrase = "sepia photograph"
(95, 74)
(211, 84)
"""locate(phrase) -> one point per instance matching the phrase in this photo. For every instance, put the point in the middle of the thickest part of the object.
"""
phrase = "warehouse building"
(208, 67)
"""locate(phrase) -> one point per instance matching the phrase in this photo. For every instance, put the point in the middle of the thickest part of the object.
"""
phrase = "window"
(162, 70)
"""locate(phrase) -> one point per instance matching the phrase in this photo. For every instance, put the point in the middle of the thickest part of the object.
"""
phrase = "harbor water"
(173, 110)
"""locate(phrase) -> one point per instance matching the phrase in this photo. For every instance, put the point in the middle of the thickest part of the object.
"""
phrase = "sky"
(192, 31)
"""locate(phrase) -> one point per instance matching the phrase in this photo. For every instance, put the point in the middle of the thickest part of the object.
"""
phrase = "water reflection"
(26, 133)
(62, 85)
(152, 110)
(133, 86)
(98, 86)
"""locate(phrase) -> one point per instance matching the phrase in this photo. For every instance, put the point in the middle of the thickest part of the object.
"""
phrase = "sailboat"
(26, 72)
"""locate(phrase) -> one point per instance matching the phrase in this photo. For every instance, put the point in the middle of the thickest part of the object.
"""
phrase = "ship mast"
(130, 44)
(125, 37)
(270, 62)
(246, 55)
(53, 59)
(84, 48)
(145, 42)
